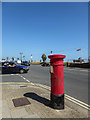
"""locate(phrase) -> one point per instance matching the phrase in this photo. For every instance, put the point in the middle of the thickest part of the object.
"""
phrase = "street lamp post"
(21, 55)
(31, 57)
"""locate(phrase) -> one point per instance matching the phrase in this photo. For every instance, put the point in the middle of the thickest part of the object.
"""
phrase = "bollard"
(57, 81)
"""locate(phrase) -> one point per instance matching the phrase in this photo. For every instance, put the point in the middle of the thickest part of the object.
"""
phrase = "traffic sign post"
(57, 81)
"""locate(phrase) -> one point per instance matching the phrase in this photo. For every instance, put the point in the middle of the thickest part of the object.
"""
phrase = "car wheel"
(21, 71)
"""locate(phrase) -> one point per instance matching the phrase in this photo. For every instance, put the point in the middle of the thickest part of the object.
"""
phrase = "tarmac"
(30, 100)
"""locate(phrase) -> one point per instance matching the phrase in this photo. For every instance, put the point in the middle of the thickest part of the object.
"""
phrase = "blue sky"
(37, 28)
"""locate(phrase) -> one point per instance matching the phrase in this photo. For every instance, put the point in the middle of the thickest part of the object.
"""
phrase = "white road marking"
(27, 80)
(24, 78)
(75, 72)
(9, 75)
(76, 69)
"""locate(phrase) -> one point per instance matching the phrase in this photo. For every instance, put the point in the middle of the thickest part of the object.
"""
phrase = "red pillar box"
(57, 81)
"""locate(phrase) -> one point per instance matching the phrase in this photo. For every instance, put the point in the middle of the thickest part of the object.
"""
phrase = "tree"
(12, 58)
(3, 59)
(44, 57)
(17, 58)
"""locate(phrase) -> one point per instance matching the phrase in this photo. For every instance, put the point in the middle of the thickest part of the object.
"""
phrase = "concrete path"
(39, 98)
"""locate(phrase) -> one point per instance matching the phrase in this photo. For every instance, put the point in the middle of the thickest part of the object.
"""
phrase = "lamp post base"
(57, 101)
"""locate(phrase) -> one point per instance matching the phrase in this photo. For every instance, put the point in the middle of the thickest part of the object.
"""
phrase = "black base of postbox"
(57, 101)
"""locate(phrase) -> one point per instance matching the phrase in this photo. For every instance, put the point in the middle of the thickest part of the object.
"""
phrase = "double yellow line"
(72, 99)
(80, 103)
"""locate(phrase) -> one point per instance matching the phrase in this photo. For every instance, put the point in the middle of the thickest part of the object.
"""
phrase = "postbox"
(57, 81)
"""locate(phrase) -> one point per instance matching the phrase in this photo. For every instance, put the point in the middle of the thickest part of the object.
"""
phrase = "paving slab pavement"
(39, 98)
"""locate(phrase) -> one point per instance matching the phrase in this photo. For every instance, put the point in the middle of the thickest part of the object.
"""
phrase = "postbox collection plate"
(51, 69)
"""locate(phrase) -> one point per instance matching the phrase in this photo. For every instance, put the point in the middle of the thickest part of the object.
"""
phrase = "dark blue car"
(26, 63)
(12, 67)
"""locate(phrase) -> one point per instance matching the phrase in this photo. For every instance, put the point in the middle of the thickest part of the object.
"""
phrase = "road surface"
(75, 80)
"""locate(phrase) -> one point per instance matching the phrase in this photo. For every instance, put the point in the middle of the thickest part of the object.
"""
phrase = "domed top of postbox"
(55, 56)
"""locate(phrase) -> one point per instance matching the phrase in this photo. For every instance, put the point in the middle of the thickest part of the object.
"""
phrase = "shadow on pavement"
(38, 98)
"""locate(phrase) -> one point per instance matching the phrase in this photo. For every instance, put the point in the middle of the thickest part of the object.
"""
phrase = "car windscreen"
(16, 64)
(13, 63)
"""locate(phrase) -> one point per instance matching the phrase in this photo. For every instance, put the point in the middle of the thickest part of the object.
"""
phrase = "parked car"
(26, 63)
(45, 64)
(12, 67)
